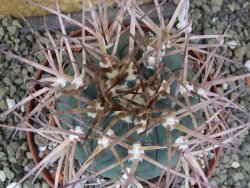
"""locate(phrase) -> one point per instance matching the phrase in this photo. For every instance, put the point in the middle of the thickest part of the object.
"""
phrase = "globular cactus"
(134, 102)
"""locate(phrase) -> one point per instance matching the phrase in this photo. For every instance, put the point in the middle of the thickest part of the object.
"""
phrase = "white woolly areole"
(136, 152)
(10, 103)
(201, 91)
(224, 86)
(180, 141)
(78, 81)
(112, 74)
(127, 119)
(247, 65)
(125, 176)
(77, 130)
(168, 44)
(183, 90)
(61, 81)
(164, 87)
(143, 127)
(170, 121)
(232, 44)
(131, 76)
(97, 107)
(105, 65)
(104, 141)
(150, 63)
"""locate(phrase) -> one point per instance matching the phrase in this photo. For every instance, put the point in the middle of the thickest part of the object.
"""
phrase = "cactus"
(148, 136)
(132, 105)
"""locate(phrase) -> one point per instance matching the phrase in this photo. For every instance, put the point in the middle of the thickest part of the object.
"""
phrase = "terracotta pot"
(30, 135)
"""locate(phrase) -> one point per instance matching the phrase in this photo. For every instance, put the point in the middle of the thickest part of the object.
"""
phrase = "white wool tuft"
(201, 91)
(143, 127)
(61, 81)
(224, 86)
(164, 87)
(131, 76)
(10, 103)
(168, 44)
(112, 74)
(180, 141)
(150, 63)
(247, 65)
(97, 107)
(104, 141)
(78, 81)
(105, 65)
(77, 130)
(136, 152)
(170, 121)
(183, 90)
(125, 176)
(2, 176)
(232, 44)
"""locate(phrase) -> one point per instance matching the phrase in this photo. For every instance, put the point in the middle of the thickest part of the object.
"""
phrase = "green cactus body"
(157, 136)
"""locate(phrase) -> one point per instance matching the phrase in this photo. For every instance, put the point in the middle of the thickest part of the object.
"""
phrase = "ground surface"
(208, 17)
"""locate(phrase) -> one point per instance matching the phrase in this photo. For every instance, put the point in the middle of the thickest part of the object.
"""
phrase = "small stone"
(216, 9)
(12, 90)
(17, 168)
(2, 155)
(5, 22)
(14, 185)
(245, 5)
(217, 2)
(240, 52)
(10, 103)
(247, 65)
(206, 9)
(232, 44)
(3, 90)
(2, 176)
(14, 30)
(20, 154)
(231, 6)
(45, 185)
(28, 155)
(27, 184)
(235, 164)
(7, 81)
(41, 141)
(12, 148)
(16, 23)
(226, 159)
(9, 174)
(1, 32)
(238, 176)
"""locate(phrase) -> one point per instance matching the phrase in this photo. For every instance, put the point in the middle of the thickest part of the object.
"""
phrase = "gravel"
(207, 16)
(15, 160)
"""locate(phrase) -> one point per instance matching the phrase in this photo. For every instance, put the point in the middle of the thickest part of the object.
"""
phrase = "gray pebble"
(12, 148)
(13, 29)
(9, 174)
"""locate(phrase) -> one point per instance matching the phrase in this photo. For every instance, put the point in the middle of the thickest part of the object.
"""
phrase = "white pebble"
(14, 185)
(10, 103)
(2, 176)
(247, 65)
(235, 164)
(232, 44)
